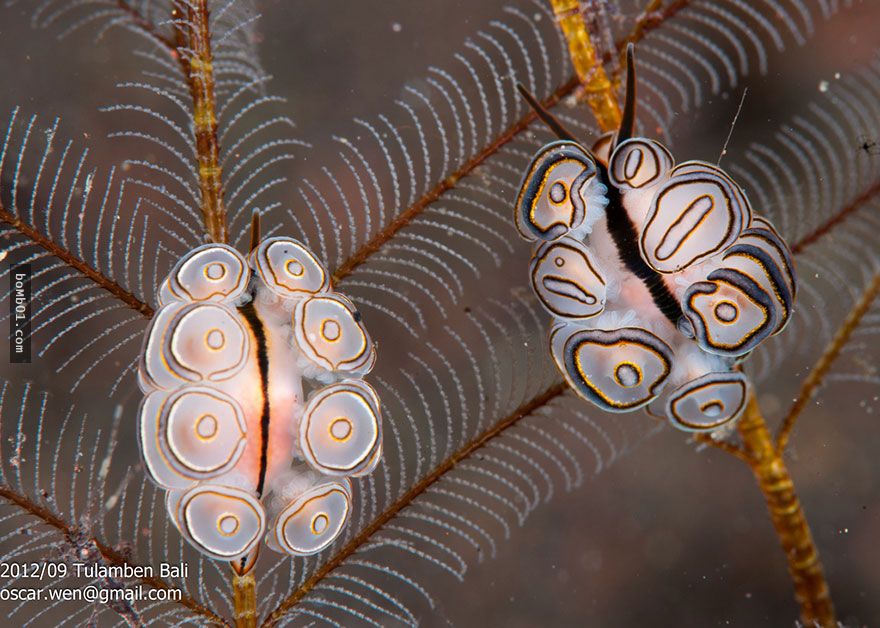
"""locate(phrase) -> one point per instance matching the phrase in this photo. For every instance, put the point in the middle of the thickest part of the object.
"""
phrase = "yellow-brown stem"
(787, 515)
(197, 60)
(244, 599)
(598, 89)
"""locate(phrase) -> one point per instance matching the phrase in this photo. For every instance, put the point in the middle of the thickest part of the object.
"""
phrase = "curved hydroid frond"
(65, 505)
(94, 275)
(201, 105)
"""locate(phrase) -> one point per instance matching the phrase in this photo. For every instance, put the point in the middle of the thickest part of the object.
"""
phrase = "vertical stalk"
(598, 89)
(196, 58)
(244, 599)
(787, 515)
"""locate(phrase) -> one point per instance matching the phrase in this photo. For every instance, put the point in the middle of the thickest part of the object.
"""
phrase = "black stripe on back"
(623, 232)
(256, 325)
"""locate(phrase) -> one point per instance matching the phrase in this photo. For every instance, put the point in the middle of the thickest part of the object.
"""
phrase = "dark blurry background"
(667, 536)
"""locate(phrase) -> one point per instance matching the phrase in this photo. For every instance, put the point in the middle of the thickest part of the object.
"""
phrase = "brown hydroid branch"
(598, 89)
(724, 445)
(404, 218)
(109, 554)
(73, 261)
(816, 234)
(787, 515)
(197, 61)
(653, 15)
(841, 337)
(823, 365)
(426, 482)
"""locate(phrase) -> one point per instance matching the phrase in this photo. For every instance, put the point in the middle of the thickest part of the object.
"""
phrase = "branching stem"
(110, 554)
(867, 195)
(75, 262)
(724, 445)
(375, 244)
(405, 217)
(823, 365)
(191, 48)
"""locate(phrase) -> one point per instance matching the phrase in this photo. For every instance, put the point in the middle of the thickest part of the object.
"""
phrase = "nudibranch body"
(659, 276)
(228, 425)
